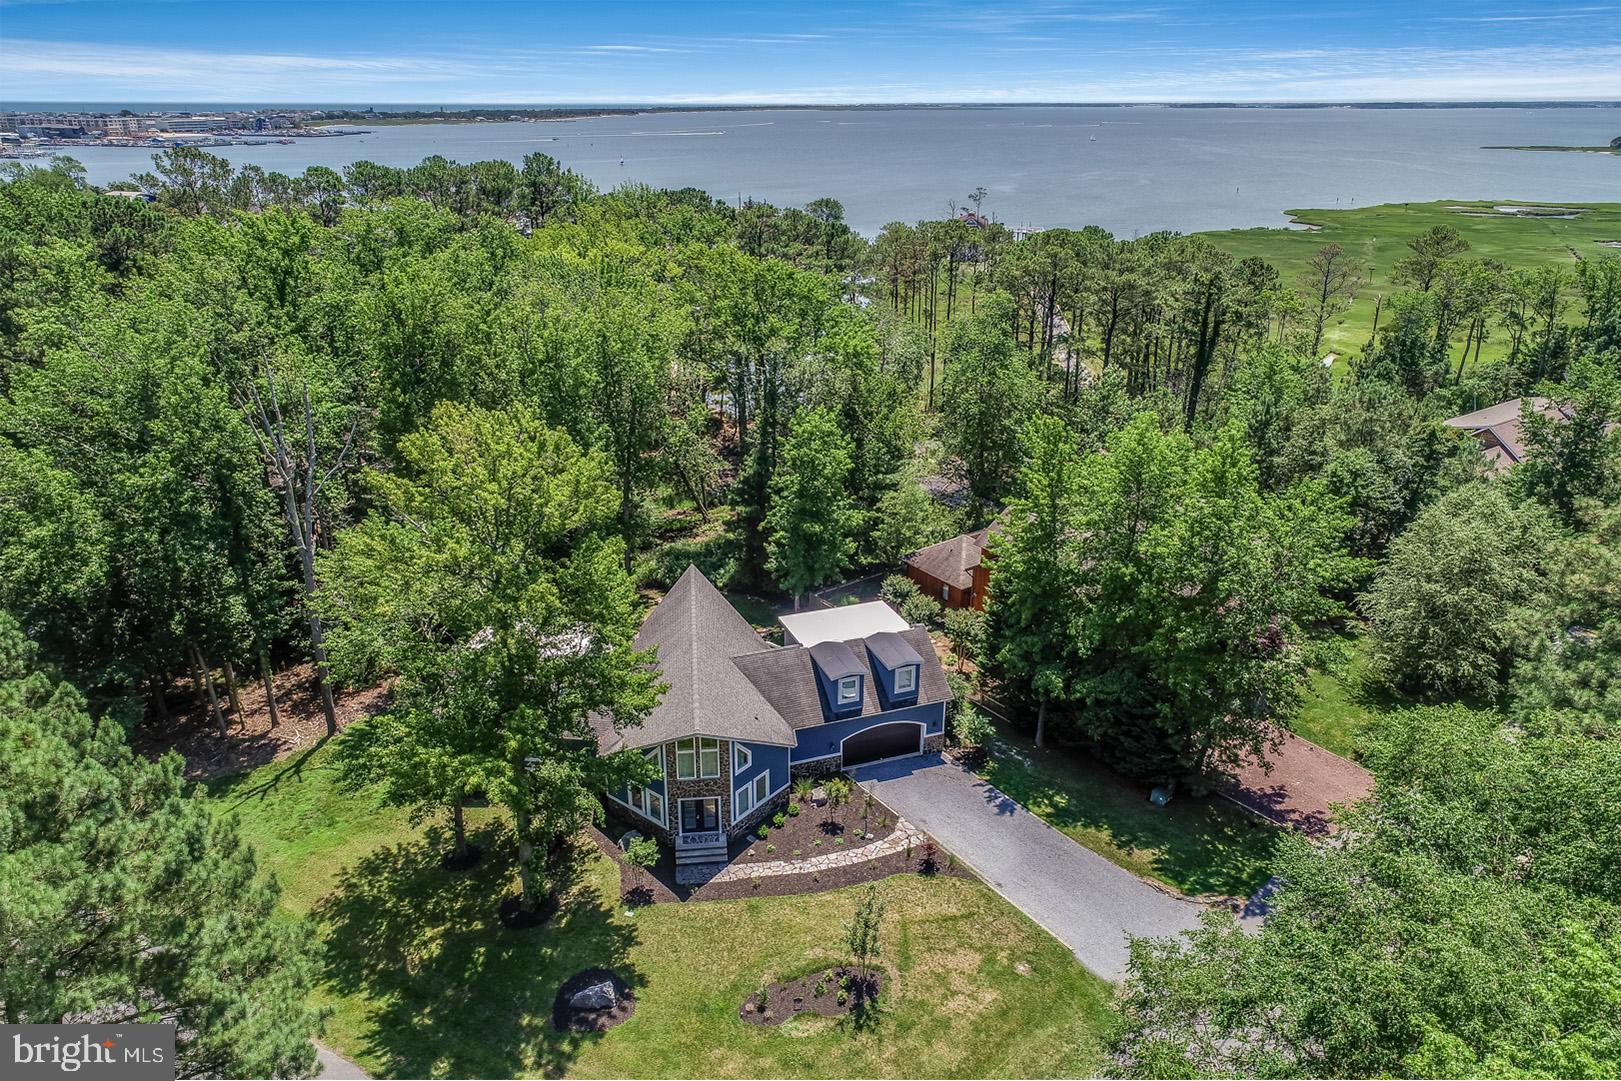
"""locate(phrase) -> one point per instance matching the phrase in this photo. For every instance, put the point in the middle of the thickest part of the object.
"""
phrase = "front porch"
(698, 836)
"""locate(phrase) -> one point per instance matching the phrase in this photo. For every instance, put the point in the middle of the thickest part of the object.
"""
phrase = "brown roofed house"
(954, 572)
(1498, 429)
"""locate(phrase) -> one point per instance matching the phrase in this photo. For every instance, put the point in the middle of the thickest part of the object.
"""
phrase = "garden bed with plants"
(832, 992)
(831, 816)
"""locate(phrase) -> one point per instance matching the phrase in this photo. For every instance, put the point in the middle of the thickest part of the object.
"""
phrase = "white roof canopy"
(842, 624)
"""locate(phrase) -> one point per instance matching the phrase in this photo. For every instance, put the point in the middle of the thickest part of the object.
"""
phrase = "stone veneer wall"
(675, 791)
(817, 768)
(761, 811)
(643, 823)
(934, 744)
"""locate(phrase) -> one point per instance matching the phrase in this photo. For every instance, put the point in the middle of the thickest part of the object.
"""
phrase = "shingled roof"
(951, 561)
(697, 633)
(1498, 428)
(786, 679)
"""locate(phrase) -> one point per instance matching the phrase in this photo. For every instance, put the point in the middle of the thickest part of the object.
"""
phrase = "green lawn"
(421, 981)
(1378, 236)
(1196, 845)
(1341, 700)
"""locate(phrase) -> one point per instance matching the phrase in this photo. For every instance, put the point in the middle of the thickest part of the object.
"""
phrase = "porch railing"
(700, 840)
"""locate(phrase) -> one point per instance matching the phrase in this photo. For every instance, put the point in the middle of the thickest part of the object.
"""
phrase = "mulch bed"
(1303, 782)
(660, 887)
(250, 741)
(565, 1018)
(514, 918)
(783, 1001)
(818, 830)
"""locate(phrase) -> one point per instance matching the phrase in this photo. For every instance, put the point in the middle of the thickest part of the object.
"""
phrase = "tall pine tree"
(123, 898)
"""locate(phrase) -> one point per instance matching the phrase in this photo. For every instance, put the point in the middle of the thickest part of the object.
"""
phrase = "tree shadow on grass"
(247, 785)
(448, 991)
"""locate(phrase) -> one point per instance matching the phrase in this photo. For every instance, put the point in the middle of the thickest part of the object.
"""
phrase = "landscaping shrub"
(971, 728)
(779, 819)
(643, 854)
(763, 832)
(897, 589)
(921, 609)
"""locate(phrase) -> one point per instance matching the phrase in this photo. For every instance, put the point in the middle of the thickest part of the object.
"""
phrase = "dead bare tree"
(296, 476)
(1331, 281)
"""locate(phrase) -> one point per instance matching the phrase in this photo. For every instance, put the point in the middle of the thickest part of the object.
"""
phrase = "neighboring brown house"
(953, 572)
(1498, 429)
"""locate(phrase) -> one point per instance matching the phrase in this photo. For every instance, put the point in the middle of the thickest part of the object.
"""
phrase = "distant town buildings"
(22, 132)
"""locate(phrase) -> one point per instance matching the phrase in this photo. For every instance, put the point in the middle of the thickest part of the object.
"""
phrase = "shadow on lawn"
(247, 785)
(448, 990)
(1202, 845)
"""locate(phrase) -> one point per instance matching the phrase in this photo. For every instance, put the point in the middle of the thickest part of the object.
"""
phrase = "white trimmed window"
(742, 758)
(697, 756)
(645, 801)
(906, 679)
(849, 689)
(751, 795)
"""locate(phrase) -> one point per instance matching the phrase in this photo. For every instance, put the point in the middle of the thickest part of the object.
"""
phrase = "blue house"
(743, 717)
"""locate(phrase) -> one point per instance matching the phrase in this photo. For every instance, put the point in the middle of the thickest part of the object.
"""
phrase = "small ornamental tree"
(921, 608)
(897, 589)
(863, 933)
(838, 794)
(964, 627)
(643, 854)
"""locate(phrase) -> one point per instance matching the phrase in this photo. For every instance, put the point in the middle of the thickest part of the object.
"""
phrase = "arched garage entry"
(893, 740)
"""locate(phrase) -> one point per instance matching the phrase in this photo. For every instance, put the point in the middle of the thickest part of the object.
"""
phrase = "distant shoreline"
(1562, 149)
(507, 114)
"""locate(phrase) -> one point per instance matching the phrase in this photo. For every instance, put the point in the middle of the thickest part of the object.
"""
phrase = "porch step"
(715, 853)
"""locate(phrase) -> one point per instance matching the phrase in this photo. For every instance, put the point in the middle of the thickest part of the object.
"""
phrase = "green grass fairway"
(1378, 236)
(1204, 845)
(422, 982)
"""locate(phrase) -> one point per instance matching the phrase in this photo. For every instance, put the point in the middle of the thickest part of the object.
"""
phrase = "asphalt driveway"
(1082, 899)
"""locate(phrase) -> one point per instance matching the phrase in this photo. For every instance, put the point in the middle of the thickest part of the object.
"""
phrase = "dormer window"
(898, 667)
(839, 675)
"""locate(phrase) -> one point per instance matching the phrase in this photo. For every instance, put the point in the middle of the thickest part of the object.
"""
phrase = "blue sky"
(367, 52)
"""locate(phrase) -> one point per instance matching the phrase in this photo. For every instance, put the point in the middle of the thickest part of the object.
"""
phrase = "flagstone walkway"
(904, 836)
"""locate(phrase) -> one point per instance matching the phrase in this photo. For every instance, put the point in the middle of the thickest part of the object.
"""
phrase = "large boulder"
(599, 996)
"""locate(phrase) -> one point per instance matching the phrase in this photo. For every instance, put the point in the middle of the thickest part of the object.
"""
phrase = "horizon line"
(765, 104)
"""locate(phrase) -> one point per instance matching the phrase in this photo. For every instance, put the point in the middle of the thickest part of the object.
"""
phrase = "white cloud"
(1145, 71)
